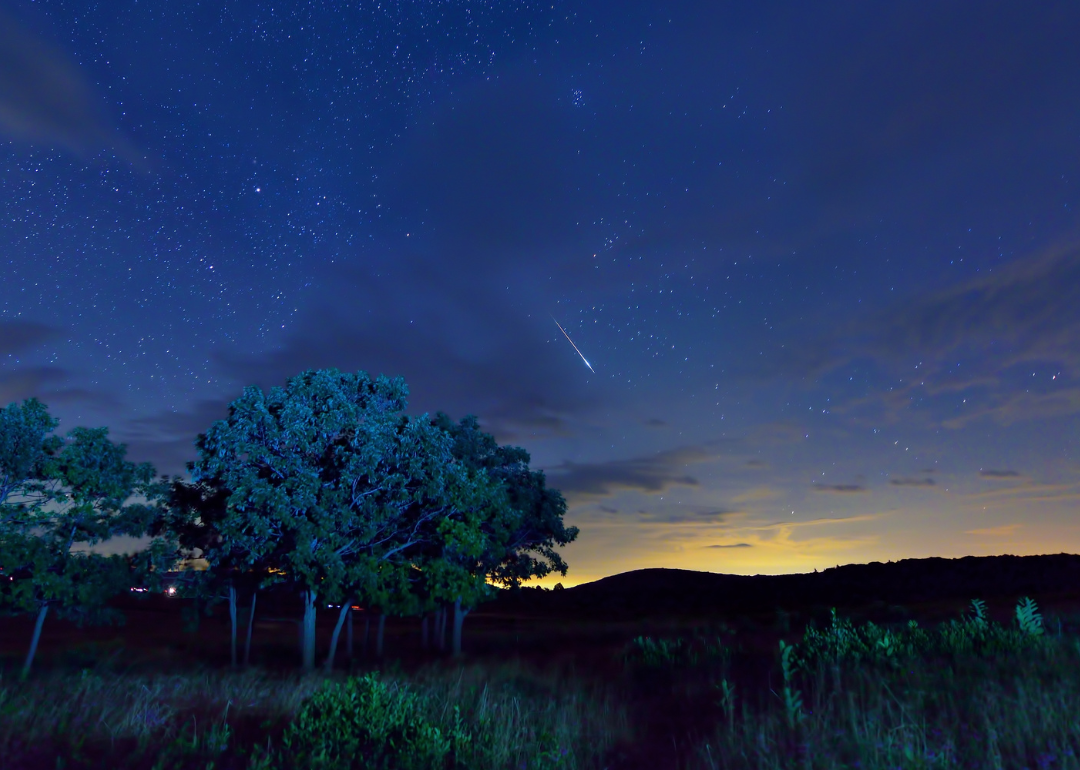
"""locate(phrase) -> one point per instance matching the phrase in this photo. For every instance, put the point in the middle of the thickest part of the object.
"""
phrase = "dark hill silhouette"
(675, 592)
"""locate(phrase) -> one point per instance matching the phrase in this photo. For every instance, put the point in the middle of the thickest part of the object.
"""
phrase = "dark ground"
(586, 627)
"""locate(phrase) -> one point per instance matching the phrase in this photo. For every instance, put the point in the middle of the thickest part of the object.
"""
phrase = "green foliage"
(25, 447)
(976, 635)
(503, 716)
(289, 459)
(656, 653)
(75, 585)
(88, 484)
(789, 661)
(978, 612)
(331, 484)
(987, 707)
(789, 664)
(366, 722)
(1028, 617)
(842, 642)
(58, 499)
(674, 652)
(328, 483)
(507, 530)
(193, 748)
(727, 701)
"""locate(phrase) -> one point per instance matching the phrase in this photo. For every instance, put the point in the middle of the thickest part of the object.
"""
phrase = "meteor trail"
(575, 346)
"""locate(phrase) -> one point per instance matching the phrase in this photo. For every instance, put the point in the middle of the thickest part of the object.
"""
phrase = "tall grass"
(971, 694)
(515, 717)
(522, 714)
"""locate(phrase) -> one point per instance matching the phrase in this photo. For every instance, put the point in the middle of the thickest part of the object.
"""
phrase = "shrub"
(647, 652)
(368, 723)
(1028, 617)
(843, 642)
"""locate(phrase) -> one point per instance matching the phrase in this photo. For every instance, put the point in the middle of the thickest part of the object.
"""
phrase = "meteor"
(575, 346)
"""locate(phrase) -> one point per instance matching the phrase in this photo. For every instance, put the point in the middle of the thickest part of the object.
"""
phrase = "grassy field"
(990, 687)
(469, 716)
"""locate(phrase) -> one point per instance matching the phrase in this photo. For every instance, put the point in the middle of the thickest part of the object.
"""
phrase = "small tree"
(508, 541)
(60, 499)
(25, 449)
(381, 584)
(192, 520)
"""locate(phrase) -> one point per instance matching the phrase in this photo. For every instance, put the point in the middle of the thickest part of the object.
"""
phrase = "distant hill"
(672, 592)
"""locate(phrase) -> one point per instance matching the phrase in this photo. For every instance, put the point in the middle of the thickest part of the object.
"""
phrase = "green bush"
(677, 652)
(368, 723)
(843, 642)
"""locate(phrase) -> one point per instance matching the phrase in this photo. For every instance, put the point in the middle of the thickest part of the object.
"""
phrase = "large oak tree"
(328, 479)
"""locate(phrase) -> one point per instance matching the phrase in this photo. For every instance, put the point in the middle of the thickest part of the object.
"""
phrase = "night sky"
(824, 258)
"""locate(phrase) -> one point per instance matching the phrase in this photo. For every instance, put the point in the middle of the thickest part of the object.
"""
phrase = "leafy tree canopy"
(61, 497)
(328, 480)
(25, 447)
(324, 470)
(521, 536)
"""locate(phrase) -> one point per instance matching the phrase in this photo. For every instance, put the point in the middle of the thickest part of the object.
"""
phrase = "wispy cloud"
(820, 522)
(51, 384)
(46, 100)
(840, 489)
(30, 381)
(681, 514)
(675, 513)
(756, 495)
(18, 336)
(459, 335)
(905, 481)
(999, 474)
(793, 542)
(1026, 311)
(167, 439)
(651, 474)
(1011, 408)
(1003, 531)
(963, 351)
(1029, 492)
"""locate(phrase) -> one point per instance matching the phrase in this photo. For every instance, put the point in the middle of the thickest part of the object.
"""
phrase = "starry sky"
(823, 257)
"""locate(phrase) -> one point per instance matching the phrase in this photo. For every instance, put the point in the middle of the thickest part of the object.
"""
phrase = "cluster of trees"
(325, 485)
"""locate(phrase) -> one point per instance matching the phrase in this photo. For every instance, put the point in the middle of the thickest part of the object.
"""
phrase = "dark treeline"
(324, 487)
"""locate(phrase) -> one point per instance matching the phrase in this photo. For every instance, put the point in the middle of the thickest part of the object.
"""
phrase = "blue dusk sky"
(822, 258)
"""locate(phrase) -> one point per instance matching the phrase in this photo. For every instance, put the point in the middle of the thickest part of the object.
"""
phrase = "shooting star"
(583, 358)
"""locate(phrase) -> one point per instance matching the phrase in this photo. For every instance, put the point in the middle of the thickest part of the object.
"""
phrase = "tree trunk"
(379, 635)
(251, 624)
(367, 628)
(440, 628)
(424, 631)
(459, 619)
(232, 624)
(348, 632)
(34, 640)
(307, 646)
(337, 634)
